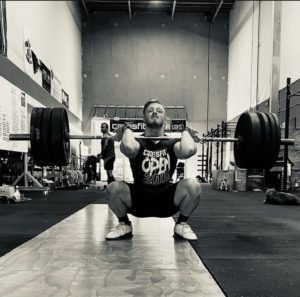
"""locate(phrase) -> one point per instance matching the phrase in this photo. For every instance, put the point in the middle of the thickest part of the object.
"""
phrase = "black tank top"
(109, 150)
(154, 164)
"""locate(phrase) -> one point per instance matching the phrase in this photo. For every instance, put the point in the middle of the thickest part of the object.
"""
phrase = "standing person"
(107, 153)
(153, 163)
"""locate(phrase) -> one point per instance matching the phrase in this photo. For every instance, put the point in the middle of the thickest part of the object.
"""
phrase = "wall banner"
(13, 116)
(56, 86)
(137, 125)
(46, 77)
(65, 98)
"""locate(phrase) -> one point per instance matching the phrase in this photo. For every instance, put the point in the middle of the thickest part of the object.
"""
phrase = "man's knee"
(114, 189)
(192, 187)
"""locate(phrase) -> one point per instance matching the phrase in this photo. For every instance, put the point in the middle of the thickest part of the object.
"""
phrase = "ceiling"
(209, 8)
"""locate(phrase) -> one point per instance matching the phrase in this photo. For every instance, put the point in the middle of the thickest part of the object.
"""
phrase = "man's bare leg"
(119, 201)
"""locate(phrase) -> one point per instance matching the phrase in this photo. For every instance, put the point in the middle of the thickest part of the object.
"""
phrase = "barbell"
(257, 138)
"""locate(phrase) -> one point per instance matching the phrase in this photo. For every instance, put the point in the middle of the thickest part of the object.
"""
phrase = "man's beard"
(154, 124)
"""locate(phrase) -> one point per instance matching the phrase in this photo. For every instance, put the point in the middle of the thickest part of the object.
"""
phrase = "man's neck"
(154, 132)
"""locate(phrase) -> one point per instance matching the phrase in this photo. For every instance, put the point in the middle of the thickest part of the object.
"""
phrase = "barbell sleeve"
(218, 139)
(287, 141)
(19, 136)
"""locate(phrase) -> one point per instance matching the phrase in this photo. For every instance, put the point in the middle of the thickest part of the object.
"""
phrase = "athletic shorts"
(109, 164)
(152, 204)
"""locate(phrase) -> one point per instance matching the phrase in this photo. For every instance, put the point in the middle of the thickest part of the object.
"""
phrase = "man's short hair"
(154, 100)
(105, 124)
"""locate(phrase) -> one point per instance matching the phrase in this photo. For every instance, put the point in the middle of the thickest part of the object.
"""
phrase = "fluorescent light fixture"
(155, 2)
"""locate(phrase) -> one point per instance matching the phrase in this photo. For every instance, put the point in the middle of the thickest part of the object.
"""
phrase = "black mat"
(19, 222)
(251, 249)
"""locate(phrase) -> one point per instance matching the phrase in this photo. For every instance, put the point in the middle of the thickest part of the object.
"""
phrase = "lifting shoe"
(183, 230)
(121, 231)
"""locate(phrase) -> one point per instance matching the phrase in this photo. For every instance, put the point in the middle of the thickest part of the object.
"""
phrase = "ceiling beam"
(216, 13)
(85, 8)
(173, 9)
(129, 9)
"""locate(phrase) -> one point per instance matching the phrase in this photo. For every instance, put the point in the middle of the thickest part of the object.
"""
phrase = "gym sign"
(137, 125)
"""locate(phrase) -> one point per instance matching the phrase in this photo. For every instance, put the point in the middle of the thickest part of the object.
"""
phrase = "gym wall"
(251, 40)
(54, 30)
(290, 42)
(249, 65)
(126, 62)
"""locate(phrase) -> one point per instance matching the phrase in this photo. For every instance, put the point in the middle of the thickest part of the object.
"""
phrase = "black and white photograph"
(149, 148)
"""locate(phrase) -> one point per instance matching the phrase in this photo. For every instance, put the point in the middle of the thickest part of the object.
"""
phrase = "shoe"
(121, 231)
(183, 230)
(110, 180)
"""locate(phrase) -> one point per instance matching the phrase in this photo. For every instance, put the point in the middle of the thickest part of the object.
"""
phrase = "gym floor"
(248, 249)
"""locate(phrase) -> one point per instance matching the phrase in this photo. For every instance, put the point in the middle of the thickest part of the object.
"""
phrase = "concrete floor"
(72, 258)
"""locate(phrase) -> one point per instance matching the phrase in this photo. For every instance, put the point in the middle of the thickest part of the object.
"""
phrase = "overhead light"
(155, 2)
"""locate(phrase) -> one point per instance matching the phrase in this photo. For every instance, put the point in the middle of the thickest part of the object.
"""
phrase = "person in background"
(107, 152)
(90, 168)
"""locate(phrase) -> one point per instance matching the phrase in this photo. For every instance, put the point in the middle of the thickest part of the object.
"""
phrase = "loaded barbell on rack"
(257, 138)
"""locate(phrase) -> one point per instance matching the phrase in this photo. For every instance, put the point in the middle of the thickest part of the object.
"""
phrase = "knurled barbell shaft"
(27, 137)
(205, 139)
(16, 137)
(85, 137)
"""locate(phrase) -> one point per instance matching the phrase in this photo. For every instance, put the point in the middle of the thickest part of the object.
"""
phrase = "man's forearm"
(187, 144)
(129, 146)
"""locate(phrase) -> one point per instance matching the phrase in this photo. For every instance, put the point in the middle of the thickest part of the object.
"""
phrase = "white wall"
(55, 35)
(265, 51)
(239, 61)
(290, 42)
(250, 55)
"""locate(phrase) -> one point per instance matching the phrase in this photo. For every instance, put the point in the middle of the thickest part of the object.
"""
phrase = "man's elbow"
(128, 151)
(187, 153)
(192, 152)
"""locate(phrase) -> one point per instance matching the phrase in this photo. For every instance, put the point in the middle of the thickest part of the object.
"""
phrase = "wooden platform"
(73, 259)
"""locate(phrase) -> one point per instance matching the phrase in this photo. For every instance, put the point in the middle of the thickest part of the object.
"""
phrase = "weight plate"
(276, 138)
(240, 147)
(37, 153)
(80, 176)
(46, 142)
(247, 149)
(254, 159)
(265, 139)
(32, 133)
(75, 176)
(270, 156)
(66, 132)
(60, 137)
